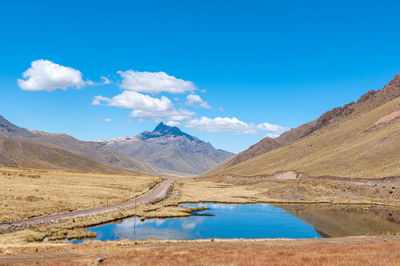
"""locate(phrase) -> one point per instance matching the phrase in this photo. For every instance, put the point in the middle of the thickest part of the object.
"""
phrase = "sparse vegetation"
(339, 251)
(29, 193)
(269, 190)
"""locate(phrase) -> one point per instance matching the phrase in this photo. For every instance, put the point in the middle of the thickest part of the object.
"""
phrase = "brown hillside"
(25, 154)
(342, 142)
(89, 151)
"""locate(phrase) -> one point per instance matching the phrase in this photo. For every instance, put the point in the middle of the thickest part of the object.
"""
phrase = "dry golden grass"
(61, 191)
(352, 148)
(71, 191)
(251, 190)
(27, 193)
(339, 251)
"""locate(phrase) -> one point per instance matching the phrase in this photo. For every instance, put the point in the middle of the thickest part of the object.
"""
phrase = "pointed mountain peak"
(164, 130)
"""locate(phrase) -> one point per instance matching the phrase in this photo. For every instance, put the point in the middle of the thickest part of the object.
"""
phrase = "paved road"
(156, 194)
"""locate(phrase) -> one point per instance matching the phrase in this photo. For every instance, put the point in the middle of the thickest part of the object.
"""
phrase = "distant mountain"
(169, 151)
(360, 139)
(94, 156)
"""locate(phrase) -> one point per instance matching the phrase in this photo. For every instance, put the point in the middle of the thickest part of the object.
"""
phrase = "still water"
(219, 221)
(254, 221)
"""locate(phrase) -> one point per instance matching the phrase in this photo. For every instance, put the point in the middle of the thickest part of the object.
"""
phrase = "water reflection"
(227, 221)
(254, 221)
(339, 220)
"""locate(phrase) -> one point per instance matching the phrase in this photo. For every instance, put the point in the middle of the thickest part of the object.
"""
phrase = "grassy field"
(336, 251)
(30, 193)
(251, 190)
(38, 192)
(27, 193)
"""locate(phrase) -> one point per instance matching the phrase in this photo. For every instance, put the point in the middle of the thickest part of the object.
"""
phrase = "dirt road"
(159, 192)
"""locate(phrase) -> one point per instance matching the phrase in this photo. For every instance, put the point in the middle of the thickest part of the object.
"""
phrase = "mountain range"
(169, 151)
(359, 140)
(20, 147)
(165, 151)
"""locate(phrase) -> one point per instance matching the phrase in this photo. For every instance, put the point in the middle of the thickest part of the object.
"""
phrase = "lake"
(256, 221)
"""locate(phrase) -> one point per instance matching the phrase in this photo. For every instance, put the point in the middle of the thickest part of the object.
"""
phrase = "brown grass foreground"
(335, 251)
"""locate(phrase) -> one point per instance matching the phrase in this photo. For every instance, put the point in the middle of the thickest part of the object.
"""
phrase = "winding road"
(158, 193)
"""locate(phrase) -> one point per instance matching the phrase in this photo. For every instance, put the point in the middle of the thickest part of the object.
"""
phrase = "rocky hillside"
(169, 151)
(346, 141)
(18, 140)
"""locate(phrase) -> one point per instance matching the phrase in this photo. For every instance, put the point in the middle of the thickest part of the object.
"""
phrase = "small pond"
(255, 221)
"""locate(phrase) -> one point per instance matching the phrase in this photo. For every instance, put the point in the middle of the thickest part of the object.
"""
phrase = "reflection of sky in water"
(228, 221)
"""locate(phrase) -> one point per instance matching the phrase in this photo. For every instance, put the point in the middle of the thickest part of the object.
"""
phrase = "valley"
(200, 133)
(344, 165)
(316, 202)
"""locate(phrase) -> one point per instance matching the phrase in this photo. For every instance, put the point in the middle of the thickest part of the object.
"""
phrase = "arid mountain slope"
(91, 151)
(343, 142)
(24, 154)
(169, 151)
(365, 103)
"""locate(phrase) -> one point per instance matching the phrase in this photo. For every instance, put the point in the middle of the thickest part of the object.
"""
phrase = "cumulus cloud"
(145, 106)
(221, 124)
(271, 128)
(172, 123)
(234, 125)
(107, 120)
(194, 99)
(153, 82)
(44, 75)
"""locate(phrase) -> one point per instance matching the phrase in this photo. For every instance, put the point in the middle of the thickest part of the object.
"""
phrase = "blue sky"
(278, 62)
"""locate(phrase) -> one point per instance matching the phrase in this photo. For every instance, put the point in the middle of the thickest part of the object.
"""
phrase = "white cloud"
(91, 83)
(107, 120)
(221, 124)
(270, 127)
(44, 75)
(145, 106)
(105, 80)
(99, 99)
(135, 100)
(153, 82)
(193, 99)
(234, 125)
(172, 123)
